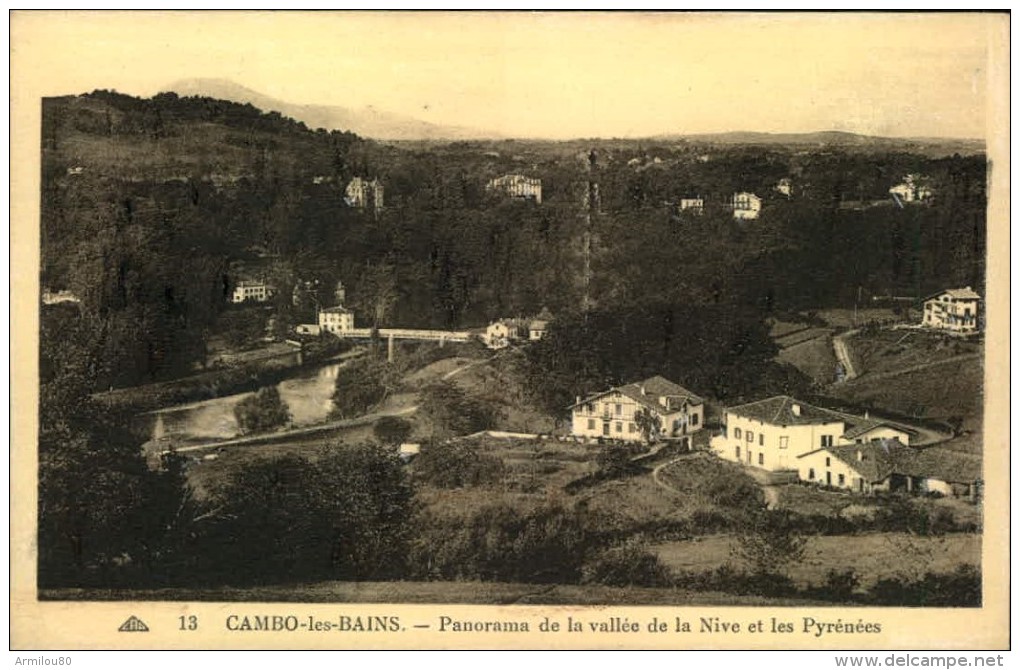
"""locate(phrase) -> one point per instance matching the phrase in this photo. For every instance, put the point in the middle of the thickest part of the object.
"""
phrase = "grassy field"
(480, 593)
(891, 350)
(874, 556)
(813, 357)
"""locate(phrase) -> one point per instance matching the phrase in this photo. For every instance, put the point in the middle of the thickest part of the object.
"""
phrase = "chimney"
(577, 400)
(865, 414)
(795, 408)
(643, 391)
(860, 455)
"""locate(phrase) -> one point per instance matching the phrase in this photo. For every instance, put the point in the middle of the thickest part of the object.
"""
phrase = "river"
(308, 395)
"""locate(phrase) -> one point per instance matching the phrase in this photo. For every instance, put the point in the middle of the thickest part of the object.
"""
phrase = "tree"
(648, 422)
(261, 412)
(361, 385)
(769, 542)
(455, 413)
(452, 465)
(392, 430)
(344, 516)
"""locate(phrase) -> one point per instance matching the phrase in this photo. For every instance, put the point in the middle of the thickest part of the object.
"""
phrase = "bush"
(769, 542)
(262, 412)
(548, 544)
(361, 385)
(392, 430)
(452, 465)
(959, 588)
(630, 564)
(455, 413)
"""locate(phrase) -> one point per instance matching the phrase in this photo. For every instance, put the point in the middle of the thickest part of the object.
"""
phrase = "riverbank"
(225, 381)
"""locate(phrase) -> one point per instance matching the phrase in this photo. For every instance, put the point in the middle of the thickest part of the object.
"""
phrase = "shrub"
(630, 564)
(455, 413)
(452, 465)
(769, 542)
(261, 412)
(391, 430)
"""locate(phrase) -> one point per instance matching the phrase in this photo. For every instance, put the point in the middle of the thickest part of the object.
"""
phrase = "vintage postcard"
(503, 330)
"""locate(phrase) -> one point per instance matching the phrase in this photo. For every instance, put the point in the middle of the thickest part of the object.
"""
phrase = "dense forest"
(154, 209)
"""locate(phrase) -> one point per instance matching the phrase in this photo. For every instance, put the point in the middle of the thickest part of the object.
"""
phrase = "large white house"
(251, 290)
(517, 186)
(611, 414)
(746, 206)
(336, 320)
(365, 194)
(771, 434)
(954, 309)
(914, 188)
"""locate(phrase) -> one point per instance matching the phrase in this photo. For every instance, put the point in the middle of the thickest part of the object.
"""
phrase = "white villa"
(610, 414)
(365, 194)
(503, 332)
(336, 320)
(695, 206)
(517, 186)
(746, 206)
(914, 188)
(255, 291)
(954, 309)
(772, 434)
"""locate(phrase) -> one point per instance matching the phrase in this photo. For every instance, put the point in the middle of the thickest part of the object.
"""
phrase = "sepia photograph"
(396, 328)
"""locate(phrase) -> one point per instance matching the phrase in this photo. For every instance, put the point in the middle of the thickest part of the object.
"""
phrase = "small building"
(746, 206)
(772, 434)
(785, 186)
(537, 329)
(611, 413)
(251, 291)
(336, 320)
(915, 188)
(954, 309)
(890, 465)
(502, 333)
(365, 194)
(59, 297)
(517, 186)
(308, 329)
(694, 206)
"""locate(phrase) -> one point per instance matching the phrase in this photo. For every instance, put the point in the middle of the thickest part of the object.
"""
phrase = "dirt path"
(843, 354)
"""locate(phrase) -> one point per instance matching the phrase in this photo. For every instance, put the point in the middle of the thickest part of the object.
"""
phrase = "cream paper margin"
(73, 626)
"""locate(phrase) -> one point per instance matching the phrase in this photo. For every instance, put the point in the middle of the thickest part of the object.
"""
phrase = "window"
(631, 428)
(619, 427)
(738, 453)
(811, 473)
(619, 410)
(590, 407)
(826, 440)
(826, 461)
(736, 433)
(761, 458)
(842, 480)
(591, 424)
(694, 419)
(784, 442)
(761, 439)
(750, 437)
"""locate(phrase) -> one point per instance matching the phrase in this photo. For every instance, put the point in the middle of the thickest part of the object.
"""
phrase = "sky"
(554, 75)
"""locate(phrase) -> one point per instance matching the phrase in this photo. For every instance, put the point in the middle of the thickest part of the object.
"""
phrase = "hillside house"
(365, 194)
(771, 434)
(954, 309)
(611, 414)
(785, 186)
(251, 291)
(914, 188)
(746, 206)
(693, 206)
(537, 329)
(889, 465)
(336, 320)
(517, 186)
(504, 332)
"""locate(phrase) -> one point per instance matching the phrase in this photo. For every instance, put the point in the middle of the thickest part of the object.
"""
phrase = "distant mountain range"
(367, 121)
(382, 125)
(831, 138)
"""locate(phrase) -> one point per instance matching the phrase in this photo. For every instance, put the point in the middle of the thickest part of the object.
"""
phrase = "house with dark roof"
(772, 433)
(954, 309)
(611, 414)
(890, 465)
